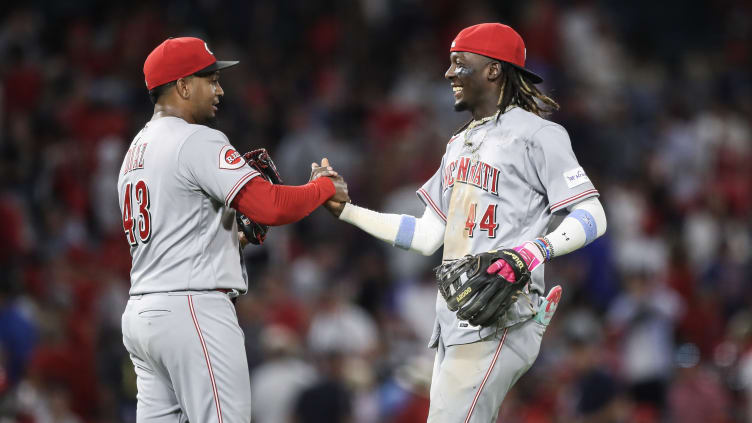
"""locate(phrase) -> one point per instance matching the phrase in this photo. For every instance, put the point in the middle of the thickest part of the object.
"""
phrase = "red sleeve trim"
(241, 182)
(429, 201)
(563, 203)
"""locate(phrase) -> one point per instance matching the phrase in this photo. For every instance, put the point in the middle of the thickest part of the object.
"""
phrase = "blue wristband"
(547, 251)
(405, 232)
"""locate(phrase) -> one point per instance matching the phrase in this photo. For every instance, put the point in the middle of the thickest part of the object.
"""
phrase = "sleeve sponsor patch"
(575, 177)
(229, 158)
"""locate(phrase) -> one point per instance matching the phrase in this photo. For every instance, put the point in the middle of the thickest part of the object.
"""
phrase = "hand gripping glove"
(480, 297)
(529, 252)
(259, 160)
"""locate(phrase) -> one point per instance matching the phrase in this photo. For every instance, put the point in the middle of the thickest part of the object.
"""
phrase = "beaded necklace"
(475, 124)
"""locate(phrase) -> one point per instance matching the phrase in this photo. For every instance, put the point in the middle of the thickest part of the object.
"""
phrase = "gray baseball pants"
(471, 380)
(189, 355)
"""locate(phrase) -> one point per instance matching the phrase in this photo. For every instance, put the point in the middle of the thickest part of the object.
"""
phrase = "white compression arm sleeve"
(585, 222)
(424, 235)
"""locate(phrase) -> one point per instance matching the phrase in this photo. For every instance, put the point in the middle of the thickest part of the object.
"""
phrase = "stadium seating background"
(655, 322)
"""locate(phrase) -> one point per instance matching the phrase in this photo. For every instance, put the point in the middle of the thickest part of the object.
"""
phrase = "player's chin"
(460, 106)
(209, 120)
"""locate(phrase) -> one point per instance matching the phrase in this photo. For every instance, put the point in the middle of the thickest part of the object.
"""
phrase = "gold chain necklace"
(475, 124)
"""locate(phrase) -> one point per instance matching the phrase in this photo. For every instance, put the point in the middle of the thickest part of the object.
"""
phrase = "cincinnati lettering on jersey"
(134, 159)
(473, 172)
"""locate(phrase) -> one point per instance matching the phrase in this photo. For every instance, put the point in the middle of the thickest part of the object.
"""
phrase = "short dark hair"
(157, 92)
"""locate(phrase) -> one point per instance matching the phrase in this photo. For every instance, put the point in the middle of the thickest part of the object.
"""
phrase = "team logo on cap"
(206, 46)
(454, 43)
(229, 158)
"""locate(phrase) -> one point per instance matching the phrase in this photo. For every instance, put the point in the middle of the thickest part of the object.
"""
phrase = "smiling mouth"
(457, 91)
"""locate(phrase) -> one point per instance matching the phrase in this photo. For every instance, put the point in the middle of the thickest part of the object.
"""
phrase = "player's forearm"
(424, 235)
(276, 205)
(585, 223)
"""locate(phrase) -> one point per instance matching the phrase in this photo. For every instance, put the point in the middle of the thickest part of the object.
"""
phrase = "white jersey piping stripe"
(239, 185)
(208, 361)
(488, 373)
(430, 202)
(563, 203)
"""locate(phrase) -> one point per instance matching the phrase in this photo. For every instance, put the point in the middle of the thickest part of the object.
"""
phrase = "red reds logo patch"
(229, 158)
(232, 157)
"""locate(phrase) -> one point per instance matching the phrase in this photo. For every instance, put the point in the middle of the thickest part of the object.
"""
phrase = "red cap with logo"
(177, 58)
(497, 41)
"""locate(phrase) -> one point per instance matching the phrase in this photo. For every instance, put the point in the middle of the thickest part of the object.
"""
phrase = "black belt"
(232, 293)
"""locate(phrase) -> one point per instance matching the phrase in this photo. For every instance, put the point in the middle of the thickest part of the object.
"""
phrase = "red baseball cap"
(497, 41)
(177, 58)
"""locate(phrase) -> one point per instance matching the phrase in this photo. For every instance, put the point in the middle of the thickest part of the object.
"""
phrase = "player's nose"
(449, 74)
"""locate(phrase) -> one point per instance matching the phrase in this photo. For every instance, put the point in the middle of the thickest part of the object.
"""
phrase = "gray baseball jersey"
(175, 187)
(498, 186)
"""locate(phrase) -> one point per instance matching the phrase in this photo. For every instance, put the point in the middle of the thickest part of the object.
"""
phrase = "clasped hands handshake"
(336, 203)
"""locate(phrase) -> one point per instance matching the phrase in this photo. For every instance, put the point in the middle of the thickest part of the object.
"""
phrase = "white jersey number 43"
(141, 222)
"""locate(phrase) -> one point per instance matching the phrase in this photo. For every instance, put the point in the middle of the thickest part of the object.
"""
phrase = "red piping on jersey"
(239, 184)
(430, 202)
(269, 204)
(562, 203)
(488, 373)
(208, 361)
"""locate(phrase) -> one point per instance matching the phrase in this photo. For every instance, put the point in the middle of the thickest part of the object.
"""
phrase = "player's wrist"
(530, 254)
(544, 247)
(326, 186)
(348, 213)
(536, 249)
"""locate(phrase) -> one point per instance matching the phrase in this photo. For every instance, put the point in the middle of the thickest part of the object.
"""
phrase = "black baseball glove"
(259, 160)
(474, 294)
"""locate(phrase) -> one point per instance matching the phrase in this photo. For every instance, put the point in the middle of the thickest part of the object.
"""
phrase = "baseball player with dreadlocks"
(504, 179)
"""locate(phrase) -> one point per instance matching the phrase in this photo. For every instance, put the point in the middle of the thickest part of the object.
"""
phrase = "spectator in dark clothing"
(328, 400)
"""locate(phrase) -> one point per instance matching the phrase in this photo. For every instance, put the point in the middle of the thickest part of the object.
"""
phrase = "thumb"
(314, 165)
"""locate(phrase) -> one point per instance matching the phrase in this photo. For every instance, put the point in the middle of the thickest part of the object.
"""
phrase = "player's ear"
(494, 71)
(184, 88)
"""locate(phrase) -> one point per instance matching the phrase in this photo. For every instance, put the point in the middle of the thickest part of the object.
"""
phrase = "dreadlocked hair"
(518, 90)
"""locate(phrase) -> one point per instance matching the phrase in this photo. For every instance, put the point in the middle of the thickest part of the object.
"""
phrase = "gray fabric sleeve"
(213, 165)
(562, 177)
(431, 193)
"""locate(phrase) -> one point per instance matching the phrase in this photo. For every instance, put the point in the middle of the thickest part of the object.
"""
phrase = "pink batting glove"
(530, 254)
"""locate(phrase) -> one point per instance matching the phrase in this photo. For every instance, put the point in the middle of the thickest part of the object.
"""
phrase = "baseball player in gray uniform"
(506, 178)
(179, 186)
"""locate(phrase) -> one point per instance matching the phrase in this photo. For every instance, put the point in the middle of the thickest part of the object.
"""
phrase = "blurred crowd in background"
(655, 323)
